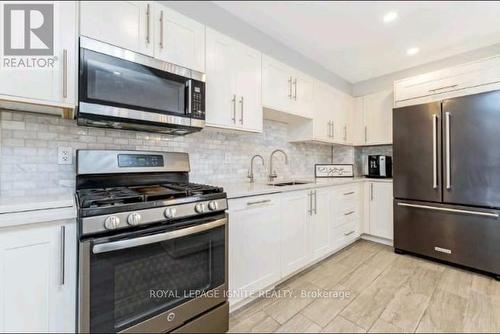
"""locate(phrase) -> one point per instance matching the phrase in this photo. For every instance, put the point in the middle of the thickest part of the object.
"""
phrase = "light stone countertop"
(36, 208)
(246, 189)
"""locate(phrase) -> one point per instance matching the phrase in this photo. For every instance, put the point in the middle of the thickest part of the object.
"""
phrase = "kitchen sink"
(288, 183)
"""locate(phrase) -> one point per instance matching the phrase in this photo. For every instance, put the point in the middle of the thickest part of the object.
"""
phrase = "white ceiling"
(351, 40)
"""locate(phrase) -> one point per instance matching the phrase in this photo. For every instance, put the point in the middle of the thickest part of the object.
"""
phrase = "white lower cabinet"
(38, 278)
(254, 243)
(319, 223)
(274, 236)
(379, 209)
(295, 217)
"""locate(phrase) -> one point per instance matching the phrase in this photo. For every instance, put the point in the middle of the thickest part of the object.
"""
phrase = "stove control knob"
(212, 205)
(111, 223)
(170, 213)
(199, 208)
(134, 219)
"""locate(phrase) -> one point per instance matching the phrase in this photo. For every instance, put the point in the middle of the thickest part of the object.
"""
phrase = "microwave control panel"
(198, 99)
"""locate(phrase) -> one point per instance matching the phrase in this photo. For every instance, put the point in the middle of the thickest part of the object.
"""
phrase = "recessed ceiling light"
(412, 51)
(390, 16)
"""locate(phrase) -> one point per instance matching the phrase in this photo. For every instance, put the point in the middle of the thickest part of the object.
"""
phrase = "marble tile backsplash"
(29, 142)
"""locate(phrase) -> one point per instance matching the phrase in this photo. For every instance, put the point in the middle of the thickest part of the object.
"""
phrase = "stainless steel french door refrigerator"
(446, 158)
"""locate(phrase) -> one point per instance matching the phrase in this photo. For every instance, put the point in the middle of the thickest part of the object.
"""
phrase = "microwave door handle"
(190, 96)
(155, 238)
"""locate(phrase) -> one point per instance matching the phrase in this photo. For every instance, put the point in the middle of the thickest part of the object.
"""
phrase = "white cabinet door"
(340, 116)
(295, 208)
(322, 114)
(127, 24)
(234, 78)
(53, 83)
(254, 257)
(357, 122)
(377, 110)
(277, 90)
(381, 209)
(38, 293)
(319, 224)
(221, 99)
(179, 39)
(303, 88)
(248, 69)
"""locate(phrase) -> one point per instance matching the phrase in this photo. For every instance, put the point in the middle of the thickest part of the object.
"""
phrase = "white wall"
(220, 19)
(386, 81)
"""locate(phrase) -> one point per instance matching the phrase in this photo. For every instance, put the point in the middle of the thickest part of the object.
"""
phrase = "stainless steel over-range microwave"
(122, 89)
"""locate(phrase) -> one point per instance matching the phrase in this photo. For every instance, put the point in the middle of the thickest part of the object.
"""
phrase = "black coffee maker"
(379, 166)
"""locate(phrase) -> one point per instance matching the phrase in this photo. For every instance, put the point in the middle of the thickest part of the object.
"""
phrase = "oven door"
(131, 90)
(154, 280)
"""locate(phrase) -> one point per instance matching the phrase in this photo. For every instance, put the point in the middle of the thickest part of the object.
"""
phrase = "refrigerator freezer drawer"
(457, 234)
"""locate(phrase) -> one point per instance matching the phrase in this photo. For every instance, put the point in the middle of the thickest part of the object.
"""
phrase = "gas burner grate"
(93, 198)
(196, 188)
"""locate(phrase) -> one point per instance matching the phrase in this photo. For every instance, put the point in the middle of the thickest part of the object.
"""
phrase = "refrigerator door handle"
(434, 151)
(448, 149)
(436, 208)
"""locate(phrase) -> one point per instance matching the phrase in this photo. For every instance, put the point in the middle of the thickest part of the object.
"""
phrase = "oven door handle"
(151, 239)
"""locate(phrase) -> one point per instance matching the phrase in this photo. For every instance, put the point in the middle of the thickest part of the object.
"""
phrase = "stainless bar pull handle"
(333, 129)
(295, 89)
(434, 151)
(349, 233)
(190, 96)
(349, 193)
(234, 108)
(65, 73)
(148, 14)
(242, 102)
(315, 202)
(63, 254)
(151, 239)
(161, 29)
(329, 129)
(440, 88)
(448, 150)
(366, 134)
(310, 203)
(349, 213)
(259, 202)
(436, 208)
(289, 87)
(345, 132)
(371, 191)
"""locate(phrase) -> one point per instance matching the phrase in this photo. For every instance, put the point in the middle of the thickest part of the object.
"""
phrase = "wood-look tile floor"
(368, 288)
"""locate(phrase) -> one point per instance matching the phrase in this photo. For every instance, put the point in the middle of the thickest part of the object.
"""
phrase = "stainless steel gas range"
(152, 246)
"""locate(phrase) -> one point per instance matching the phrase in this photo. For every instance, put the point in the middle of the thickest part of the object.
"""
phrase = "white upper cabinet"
(331, 118)
(126, 24)
(375, 112)
(54, 83)
(178, 39)
(470, 78)
(233, 84)
(146, 27)
(285, 89)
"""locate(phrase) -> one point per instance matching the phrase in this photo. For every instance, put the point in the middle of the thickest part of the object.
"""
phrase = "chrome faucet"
(272, 173)
(250, 172)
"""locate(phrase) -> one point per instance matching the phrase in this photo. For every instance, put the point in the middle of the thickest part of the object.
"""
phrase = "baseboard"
(379, 240)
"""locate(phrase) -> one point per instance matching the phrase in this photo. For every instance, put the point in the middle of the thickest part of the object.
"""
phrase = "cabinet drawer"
(345, 217)
(344, 233)
(253, 202)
